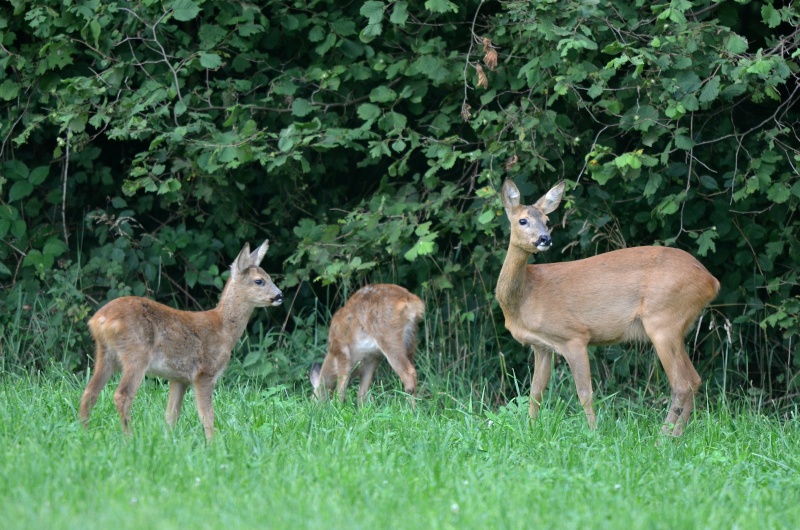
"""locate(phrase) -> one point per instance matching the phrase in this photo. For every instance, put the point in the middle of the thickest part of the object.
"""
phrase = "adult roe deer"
(637, 293)
(140, 336)
(377, 321)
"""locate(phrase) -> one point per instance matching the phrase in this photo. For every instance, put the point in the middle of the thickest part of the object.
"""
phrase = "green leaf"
(20, 190)
(771, 16)
(9, 90)
(779, 193)
(684, 142)
(705, 242)
(399, 13)
(368, 111)
(38, 175)
(185, 10)
(54, 247)
(710, 90)
(486, 217)
(441, 6)
(708, 182)
(210, 60)
(382, 94)
(736, 44)
(302, 107)
(595, 91)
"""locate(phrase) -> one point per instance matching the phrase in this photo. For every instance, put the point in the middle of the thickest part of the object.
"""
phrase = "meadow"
(280, 460)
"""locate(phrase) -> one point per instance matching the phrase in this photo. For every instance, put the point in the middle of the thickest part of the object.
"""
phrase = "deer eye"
(259, 282)
(523, 222)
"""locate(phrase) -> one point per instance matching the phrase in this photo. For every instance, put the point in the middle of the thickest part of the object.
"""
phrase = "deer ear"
(242, 260)
(258, 254)
(510, 196)
(550, 200)
(314, 375)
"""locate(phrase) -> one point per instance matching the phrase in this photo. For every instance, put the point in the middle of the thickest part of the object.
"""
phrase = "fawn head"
(254, 284)
(529, 223)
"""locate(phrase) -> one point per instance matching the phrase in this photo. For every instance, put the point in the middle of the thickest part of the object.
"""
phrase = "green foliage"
(143, 142)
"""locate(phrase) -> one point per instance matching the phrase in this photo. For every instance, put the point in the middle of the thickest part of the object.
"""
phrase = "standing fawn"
(377, 321)
(638, 293)
(140, 336)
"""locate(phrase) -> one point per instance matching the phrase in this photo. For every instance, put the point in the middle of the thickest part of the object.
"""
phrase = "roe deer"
(140, 336)
(637, 293)
(377, 321)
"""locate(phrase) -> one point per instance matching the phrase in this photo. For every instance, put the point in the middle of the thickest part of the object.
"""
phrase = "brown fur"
(140, 336)
(377, 321)
(640, 293)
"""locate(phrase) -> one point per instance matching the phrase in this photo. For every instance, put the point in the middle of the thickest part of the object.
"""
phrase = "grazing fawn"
(140, 336)
(637, 293)
(377, 321)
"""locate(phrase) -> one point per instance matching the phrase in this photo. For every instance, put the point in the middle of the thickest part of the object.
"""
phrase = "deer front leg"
(542, 368)
(203, 391)
(578, 359)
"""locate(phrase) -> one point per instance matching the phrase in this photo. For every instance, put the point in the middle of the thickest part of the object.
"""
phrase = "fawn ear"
(242, 260)
(258, 254)
(314, 375)
(550, 200)
(510, 196)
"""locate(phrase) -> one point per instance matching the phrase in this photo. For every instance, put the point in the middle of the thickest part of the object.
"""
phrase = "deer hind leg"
(177, 390)
(366, 373)
(683, 378)
(132, 377)
(396, 352)
(542, 368)
(578, 359)
(103, 369)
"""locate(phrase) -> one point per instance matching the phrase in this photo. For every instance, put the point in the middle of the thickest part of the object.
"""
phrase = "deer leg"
(177, 389)
(683, 378)
(366, 374)
(397, 355)
(132, 377)
(542, 368)
(103, 369)
(578, 359)
(203, 391)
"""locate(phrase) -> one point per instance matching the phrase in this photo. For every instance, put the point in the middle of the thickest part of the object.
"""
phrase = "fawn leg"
(366, 374)
(132, 377)
(203, 390)
(177, 390)
(394, 349)
(103, 369)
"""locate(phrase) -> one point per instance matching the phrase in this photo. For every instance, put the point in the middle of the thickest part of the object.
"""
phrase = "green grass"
(282, 461)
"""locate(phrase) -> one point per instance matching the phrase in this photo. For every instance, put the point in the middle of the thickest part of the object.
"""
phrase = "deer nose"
(544, 242)
(278, 298)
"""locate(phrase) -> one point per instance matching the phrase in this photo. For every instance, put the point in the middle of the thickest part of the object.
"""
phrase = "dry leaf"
(489, 54)
(465, 113)
(511, 162)
(483, 81)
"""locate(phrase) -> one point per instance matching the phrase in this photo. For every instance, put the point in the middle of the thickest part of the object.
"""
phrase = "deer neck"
(512, 282)
(234, 315)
